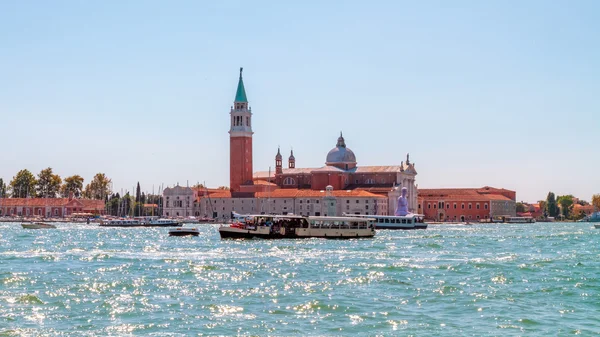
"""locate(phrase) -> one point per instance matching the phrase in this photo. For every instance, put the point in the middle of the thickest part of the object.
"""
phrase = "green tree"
(23, 184)
(520, 207)
(72, 184)
(137, 193)
(596, 201)
(551, 206)
(566, 204)
(2, 188)
(48, 183)
(98, 188)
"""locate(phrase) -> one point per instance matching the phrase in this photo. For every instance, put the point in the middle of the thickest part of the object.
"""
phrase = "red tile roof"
(51, 202)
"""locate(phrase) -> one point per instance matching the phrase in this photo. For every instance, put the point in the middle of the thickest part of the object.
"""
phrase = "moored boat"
(139, 223)
(37, 225)
(594, 217)
(120, 223)
(293, 226)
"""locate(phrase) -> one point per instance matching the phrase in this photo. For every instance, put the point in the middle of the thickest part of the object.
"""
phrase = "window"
(485, 206)
(428, 206)
(347, 207)
(317, 201)
(300, 201)
(448, 206)
(347, 201)
(357, 201)
(332, 204)
(366, 206)
(366, 201)
(462, 206)
(370, 181)
(434, 205)
(454, 205)
(477, 205)
(470, 206)
(289, 181)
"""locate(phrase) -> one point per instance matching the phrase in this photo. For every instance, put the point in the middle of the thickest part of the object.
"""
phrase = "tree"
(223, 188)
(48, 183)
(2, 188)
(596, 201)
(137, 193)
(72, 185)
(582, 202)
(23, 184)
(520, 207)
(566, 204)
(98, 188)
(551, 206)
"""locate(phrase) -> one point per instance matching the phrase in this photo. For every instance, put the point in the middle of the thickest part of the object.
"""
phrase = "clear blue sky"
(499, 93)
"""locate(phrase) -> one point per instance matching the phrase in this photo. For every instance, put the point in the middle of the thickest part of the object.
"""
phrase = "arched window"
(289, 181)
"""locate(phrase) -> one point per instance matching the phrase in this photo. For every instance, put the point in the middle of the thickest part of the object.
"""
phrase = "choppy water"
(81, 280)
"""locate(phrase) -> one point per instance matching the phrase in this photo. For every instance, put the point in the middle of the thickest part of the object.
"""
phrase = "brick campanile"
(240, 140)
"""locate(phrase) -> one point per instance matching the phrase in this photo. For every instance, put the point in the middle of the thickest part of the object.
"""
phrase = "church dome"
(340, 154)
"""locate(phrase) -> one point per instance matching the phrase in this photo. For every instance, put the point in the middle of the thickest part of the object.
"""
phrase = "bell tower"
(240, 139)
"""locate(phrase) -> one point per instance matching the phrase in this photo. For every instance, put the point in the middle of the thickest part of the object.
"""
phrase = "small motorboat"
(184, 231)
(37, 225)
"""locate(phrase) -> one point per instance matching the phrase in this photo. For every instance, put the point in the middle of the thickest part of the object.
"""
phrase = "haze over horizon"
(502, 94)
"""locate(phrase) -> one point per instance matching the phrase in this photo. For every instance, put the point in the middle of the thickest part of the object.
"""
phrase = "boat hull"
(292, 233)
(183, 233)
(140, 225)
(37, 226)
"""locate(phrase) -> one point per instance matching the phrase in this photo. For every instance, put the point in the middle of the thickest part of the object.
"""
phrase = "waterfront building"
(466, 204)
(340, 186)
(49, 207)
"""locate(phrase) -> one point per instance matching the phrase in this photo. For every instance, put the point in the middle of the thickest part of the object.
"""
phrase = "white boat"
(37, 225)
(293, 226)
(183, 231)
(161, 223)
(121, 223)
(139, 223)
(413, 221)
(519, 219)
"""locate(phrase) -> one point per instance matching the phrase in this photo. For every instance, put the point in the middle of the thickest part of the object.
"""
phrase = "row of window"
(292, 181)
(462, 206)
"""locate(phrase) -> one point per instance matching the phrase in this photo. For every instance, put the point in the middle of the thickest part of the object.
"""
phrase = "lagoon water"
(489, 279)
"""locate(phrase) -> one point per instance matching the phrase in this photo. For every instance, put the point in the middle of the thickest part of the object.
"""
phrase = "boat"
(294, 226)
(594, 217)
(519, 219)
(412, 221)
(139, 223)
(37, 225)
(184, 231)
(121, 223)
(597, 226)
(161, 223)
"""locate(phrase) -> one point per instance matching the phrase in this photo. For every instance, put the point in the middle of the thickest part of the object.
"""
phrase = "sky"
(497, 93)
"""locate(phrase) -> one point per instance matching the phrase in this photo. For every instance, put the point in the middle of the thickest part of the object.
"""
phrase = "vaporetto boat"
(412, 221)
(139, 223)
(293, 226)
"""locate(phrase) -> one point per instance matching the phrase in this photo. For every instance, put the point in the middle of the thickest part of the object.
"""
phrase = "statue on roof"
(407, 159)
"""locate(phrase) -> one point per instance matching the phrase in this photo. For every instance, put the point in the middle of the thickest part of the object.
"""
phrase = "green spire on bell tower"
(240, 95)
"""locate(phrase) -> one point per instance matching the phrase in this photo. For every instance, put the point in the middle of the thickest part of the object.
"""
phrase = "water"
(493, 279)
